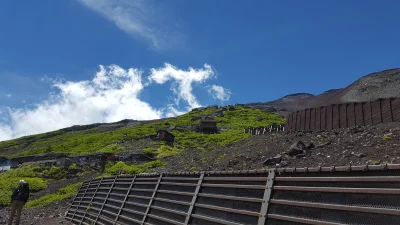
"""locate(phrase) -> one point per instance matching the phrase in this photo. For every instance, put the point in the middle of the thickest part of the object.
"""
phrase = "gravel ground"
(356, 146)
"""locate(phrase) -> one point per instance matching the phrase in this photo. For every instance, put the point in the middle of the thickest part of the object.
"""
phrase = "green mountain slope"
(90, 139)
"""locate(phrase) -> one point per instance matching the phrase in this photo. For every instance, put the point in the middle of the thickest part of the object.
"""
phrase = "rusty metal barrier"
(344, 115)
(367, 195)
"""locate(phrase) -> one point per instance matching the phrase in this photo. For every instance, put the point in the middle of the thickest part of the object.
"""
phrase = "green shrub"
(55, 172)
(62, 193)
(386, 138)
(132, 169)
(73, 166)
(162, 152)
(9, 181)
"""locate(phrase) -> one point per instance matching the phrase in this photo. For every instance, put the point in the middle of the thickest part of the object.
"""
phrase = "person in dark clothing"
(18, 199)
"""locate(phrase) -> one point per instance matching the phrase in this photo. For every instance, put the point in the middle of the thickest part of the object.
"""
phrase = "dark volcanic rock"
(297, 148)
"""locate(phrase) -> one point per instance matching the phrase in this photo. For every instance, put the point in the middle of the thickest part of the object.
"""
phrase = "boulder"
(297, 148)
(273, 160)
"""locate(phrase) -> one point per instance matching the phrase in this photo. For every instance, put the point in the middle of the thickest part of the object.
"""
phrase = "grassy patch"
(386, 138)
(9, 181)
(162, 151)
(62, 193)
(94, 140)
(55, 172)
(113, 169)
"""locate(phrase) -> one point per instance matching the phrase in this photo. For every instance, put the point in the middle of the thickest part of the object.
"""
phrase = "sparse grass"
(62, 193)
(386, 138)
(221, 157)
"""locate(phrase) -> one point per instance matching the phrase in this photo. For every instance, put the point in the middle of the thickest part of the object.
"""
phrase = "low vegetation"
(9, 181)
(46, 200)
(114, 169)
(93, 140)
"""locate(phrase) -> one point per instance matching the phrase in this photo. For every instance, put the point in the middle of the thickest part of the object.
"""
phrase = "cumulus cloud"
(113, 94)
(219, 92)
(182, 81)
(139, 18)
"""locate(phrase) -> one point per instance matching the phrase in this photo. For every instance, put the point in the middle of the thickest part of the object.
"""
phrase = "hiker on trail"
(122, 172)
(18, 199)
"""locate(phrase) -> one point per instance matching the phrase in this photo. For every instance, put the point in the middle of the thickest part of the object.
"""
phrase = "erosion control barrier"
(345, 115)
(367, 195)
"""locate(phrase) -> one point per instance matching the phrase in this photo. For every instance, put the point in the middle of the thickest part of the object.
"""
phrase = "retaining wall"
(345, 115)
(368, 195)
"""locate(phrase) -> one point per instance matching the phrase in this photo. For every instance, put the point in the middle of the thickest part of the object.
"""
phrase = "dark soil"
(351, 146)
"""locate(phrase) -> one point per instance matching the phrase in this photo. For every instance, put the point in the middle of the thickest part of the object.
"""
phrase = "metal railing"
(323, 195)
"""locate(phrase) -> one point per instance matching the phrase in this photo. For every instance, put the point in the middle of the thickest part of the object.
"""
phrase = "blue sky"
(240, 51)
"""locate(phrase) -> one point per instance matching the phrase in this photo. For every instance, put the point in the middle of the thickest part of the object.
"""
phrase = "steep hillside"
(103, 137)
(357, 146)
(384, 84)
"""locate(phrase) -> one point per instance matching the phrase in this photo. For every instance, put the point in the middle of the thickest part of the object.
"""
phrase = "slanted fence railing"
(367, 195)
(345, 115)
(264, 130)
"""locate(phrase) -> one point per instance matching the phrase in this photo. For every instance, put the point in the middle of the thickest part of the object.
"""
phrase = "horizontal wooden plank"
(164, 219)
(376, 210)
(181, 178)
(301, 220)
(133, 211)
(230, 197)
(172, 201)
(169, 210)
(340, 190)
(243, 212)
(235, 186)
(175, 192)
(340, 179)
(178, 184)
(130, 219)
(236, 178)
(215, 220)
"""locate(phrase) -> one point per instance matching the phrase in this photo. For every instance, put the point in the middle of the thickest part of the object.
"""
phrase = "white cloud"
(139, 18)
(112, 95)
(219, 92)
(182, 81)
(9, 95)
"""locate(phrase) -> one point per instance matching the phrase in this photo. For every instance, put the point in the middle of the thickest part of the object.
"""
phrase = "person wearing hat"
(18, 199)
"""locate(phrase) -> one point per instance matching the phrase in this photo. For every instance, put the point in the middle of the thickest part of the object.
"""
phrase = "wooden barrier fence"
(368, 195)
(345, 115)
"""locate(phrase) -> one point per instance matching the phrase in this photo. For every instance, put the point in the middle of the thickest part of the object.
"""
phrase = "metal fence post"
(81, 199)
(151, 200)
(91, 200)
(105, 200)
(126, 197)
(80, 188)
(196, 193)
(267, 197)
